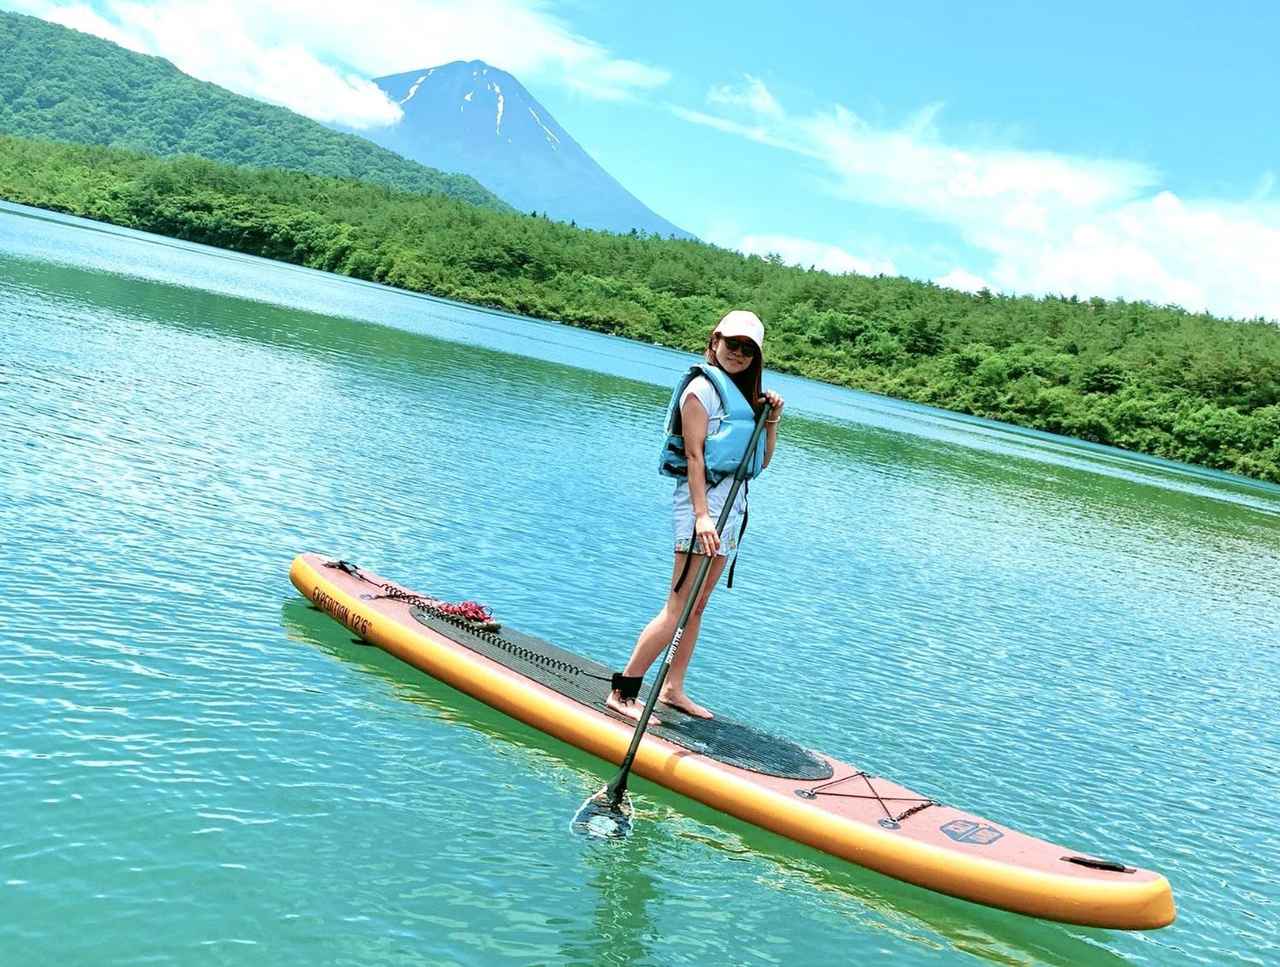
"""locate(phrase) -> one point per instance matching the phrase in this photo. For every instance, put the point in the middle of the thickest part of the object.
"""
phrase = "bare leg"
(657, 635)
(673, 693)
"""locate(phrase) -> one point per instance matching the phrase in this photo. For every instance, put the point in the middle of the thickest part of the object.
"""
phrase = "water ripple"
(1072, 642)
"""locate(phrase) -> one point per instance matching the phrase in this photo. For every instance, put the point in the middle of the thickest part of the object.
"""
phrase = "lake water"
(197, 767)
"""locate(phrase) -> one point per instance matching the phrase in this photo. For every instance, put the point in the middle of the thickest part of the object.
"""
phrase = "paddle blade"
(603, 818)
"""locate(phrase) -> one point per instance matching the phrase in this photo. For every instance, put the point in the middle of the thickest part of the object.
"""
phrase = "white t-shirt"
(706, 393)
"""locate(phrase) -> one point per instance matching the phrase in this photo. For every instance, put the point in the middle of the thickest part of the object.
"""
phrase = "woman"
(709, 423)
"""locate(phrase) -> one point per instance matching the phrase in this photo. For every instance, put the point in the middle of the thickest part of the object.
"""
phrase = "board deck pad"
(587, 682)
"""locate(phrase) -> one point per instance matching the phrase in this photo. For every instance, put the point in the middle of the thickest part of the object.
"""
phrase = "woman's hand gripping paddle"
(608, 813)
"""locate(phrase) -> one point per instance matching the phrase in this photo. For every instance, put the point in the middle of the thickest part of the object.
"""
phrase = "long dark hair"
(749, 380)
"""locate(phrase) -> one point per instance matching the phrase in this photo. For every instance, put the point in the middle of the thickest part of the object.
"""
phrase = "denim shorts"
(682, 515)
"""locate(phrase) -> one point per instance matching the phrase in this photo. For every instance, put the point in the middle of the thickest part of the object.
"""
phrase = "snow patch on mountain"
(416, 84)
(551, 135)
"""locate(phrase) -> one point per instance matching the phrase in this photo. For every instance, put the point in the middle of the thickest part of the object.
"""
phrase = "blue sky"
(1117, 149)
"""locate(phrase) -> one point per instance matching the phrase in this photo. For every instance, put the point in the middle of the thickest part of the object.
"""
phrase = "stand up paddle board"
(759, 778)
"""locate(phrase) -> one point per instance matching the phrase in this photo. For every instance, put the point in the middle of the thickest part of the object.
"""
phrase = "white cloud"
(87, 21)
(1050, 223)
(962, 281)
(753, 132)
(752, 95)
(314, 56)
(615, 80)
(804, 252)
(1199, 255)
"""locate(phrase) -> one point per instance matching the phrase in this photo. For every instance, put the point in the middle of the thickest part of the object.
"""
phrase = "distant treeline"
(1154, 379)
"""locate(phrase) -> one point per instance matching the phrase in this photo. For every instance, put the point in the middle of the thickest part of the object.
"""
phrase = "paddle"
(608, 813)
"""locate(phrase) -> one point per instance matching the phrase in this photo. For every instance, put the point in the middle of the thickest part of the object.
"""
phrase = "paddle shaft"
(618, 787)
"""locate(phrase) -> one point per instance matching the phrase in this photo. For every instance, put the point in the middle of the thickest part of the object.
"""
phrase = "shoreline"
(912, 341)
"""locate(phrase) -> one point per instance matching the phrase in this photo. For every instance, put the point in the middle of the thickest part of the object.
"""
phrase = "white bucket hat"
(741, 322)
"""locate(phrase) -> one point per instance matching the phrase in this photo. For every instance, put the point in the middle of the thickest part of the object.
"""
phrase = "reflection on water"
(621, 931)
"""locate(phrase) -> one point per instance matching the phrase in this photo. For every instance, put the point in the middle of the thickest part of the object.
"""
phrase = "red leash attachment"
(472, 611)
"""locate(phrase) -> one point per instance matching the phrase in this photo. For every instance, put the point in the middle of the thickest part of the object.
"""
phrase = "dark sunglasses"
(739, 344)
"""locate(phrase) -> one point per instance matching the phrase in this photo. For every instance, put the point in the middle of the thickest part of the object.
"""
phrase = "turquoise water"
(199, 768)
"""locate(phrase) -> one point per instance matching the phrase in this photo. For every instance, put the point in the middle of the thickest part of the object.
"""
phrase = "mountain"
(470, 117)
(61, 85)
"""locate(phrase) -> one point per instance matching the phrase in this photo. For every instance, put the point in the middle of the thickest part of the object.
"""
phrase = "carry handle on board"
(607, 812)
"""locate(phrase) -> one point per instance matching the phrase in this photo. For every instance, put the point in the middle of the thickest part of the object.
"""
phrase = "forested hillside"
(1149, 378)
(62, 85)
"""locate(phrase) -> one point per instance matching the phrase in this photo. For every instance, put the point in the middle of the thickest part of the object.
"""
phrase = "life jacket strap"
(746, 512)
(688, 559)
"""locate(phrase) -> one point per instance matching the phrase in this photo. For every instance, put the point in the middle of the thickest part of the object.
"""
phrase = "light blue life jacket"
(723, 450)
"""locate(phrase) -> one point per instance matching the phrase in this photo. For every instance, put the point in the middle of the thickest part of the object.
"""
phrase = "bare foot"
(685, 704)
(630, 709)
